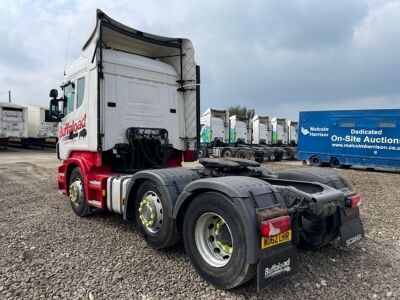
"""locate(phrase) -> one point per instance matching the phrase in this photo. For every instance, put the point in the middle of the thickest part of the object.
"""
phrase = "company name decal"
(74, 127)
(315, 131)
(353, 239)
(276, 269)
(365, 136)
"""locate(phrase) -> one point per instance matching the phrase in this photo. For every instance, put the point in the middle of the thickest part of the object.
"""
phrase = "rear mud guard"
(276, 264)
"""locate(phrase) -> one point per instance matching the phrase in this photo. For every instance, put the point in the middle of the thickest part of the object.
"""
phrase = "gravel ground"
(47, 252)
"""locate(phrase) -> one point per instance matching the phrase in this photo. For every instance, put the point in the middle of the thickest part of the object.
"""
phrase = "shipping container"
(369, 138)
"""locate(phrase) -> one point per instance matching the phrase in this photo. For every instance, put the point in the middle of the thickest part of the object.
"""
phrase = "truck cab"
(142, 86)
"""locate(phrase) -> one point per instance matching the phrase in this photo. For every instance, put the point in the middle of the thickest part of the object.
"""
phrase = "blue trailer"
(342, 138)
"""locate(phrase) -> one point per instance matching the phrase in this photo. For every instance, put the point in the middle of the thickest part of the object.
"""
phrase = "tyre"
(226, 153)
(242, 153)
(215, 241)
(334, 163)
(77, 195)
(278, 155)
(202, 152)
(152, 218)
(315, 161)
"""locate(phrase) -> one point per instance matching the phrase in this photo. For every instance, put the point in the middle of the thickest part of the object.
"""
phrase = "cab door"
(72, 131)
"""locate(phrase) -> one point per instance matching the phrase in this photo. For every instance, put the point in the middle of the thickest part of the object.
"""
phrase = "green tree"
(242, 111)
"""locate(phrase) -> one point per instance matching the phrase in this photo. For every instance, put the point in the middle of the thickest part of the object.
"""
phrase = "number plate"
(270, 241)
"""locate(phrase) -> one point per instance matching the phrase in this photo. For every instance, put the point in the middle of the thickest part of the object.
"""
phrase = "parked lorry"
(41, 128)
(342, 138)
(13, 123)
(218, 139)
(262, 137)
(280, 137)
(129, 115)
(293, 128)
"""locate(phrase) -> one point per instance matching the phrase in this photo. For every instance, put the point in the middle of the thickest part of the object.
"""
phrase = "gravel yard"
(47, 252)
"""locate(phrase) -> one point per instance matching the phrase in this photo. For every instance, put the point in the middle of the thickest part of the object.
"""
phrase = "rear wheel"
(77, 195)
(315, 161)
(152, 218)
(334, 163)
(215, 241)
(202, 152)
(278, 155)
(226, 153)
(242, 153)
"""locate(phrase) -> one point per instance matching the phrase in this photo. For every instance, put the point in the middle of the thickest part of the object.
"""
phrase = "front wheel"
(215, 241)
(76, 192)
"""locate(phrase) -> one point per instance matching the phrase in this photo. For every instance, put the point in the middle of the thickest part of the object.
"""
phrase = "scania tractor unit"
(344, 138)
(129, 115)
(217, 139)
(293, 128)
(280, 137)
(262, 137)
(13, 124)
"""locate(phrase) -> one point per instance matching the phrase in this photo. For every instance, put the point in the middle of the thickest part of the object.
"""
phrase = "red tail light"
(275, 226)
(353, 201)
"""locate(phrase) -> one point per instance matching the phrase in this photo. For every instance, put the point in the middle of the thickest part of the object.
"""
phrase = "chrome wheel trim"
(76, 192)
(151, 212)
(215, 252)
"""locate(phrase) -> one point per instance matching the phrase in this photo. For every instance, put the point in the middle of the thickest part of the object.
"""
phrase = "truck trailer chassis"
(237, 220)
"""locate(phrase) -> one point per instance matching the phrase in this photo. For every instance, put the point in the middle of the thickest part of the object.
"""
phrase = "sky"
(278, 57)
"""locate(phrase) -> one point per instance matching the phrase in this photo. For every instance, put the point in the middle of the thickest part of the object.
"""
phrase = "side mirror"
(54, 110)
(53, 93)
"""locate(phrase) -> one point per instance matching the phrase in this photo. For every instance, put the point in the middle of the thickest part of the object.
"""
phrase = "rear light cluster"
(353, 201)
(275, 226)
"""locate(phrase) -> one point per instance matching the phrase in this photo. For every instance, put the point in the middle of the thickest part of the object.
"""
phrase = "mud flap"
(275, 265)
(351, 232)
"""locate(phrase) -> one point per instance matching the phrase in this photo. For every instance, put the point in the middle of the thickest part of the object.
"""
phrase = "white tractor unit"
(280, 137)
(13, 123)
(129, 115)
(216, 137)
(262, 138)
(293, 128)
(41, 127)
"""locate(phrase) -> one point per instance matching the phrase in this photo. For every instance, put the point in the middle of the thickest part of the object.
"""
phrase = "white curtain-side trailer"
(13, 123)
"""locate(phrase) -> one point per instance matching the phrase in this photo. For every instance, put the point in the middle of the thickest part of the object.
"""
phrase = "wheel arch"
(169, 182)
(321, 175)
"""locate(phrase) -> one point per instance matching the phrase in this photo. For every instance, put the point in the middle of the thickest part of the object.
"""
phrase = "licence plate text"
(270, 241)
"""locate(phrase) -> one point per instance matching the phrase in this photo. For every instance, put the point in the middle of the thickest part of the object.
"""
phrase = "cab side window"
(80, 91)
(69, 95)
